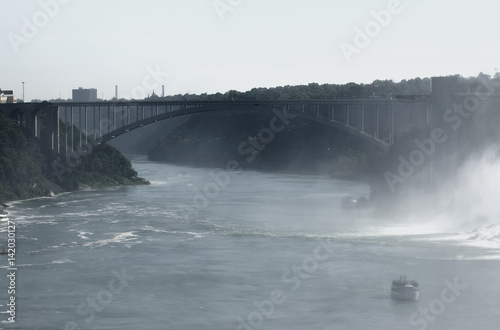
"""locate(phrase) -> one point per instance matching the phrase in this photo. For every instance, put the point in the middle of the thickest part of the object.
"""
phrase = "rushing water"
(272, 251)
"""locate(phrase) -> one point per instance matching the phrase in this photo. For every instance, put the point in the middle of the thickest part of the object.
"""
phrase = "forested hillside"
(26, 169)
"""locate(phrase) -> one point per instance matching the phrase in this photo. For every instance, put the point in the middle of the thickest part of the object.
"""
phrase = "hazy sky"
(215, 46)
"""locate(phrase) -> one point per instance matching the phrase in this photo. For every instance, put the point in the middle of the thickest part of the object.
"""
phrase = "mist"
(464, 205)
(473, 202)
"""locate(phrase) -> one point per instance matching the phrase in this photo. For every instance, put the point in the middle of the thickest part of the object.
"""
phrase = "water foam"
(117, 238)
(470, 203)
(62, 261)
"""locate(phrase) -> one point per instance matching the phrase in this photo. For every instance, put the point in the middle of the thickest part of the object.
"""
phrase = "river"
(258, 250)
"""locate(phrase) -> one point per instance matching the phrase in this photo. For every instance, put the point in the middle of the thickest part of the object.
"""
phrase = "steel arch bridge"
(375, 121)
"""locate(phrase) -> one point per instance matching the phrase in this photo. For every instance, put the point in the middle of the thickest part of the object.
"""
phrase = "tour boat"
(353, 203)
(404, 289)
(348, 203)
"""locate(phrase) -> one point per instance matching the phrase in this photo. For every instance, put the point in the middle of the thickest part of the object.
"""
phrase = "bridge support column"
(80, 128)
(407, 117)
(85, 124)
(443, 96)
(36, 132)
(72, 130)
(362, 118)
(99, 122)
(31, 118)
(114, 118)
(392, 125)
(54, 130)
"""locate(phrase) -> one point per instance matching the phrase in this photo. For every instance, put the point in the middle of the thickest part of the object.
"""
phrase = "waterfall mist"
(467, 204)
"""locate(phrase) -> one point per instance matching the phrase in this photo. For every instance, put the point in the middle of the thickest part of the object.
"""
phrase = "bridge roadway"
(375, 121)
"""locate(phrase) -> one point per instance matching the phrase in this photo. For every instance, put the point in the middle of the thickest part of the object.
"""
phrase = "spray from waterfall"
(474, 202)
(468, 204)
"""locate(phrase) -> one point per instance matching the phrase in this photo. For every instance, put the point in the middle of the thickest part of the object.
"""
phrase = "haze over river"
(271, 251)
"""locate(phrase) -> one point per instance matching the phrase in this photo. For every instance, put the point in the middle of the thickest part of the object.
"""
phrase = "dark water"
(272, 251)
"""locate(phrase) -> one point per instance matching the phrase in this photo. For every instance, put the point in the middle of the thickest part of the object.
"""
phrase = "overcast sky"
(215, 46)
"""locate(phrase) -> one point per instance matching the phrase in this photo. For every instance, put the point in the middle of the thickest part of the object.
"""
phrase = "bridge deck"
(376, 121)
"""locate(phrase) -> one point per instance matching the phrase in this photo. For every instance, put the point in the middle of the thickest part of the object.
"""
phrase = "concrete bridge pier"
(444, 92)
(43, 123)
(31, 123)
(53, 130)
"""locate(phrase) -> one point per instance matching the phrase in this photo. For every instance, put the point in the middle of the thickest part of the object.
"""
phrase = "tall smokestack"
(162, 90)
(116, 92)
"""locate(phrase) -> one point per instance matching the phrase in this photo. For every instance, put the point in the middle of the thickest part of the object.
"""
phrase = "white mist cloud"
(475, 200)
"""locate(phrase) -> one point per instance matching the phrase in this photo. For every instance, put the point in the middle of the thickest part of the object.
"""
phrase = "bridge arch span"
(212, 108)
(373, 121)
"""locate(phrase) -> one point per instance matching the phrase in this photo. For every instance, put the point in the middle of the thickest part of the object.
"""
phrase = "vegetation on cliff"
(21, 163)
(26, 168)
(105, 166)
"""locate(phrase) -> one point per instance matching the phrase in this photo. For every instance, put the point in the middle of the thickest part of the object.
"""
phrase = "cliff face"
(26, 171)
(263, 141)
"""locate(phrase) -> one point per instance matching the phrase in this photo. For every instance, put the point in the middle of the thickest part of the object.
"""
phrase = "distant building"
(444, 85)
(7, 97)
(85, 95)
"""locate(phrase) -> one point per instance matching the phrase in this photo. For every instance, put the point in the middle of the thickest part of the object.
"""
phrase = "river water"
(263, 250)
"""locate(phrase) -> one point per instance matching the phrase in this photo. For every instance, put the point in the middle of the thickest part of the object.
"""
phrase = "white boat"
(404, 289)
(353, 203)
(348, 203)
